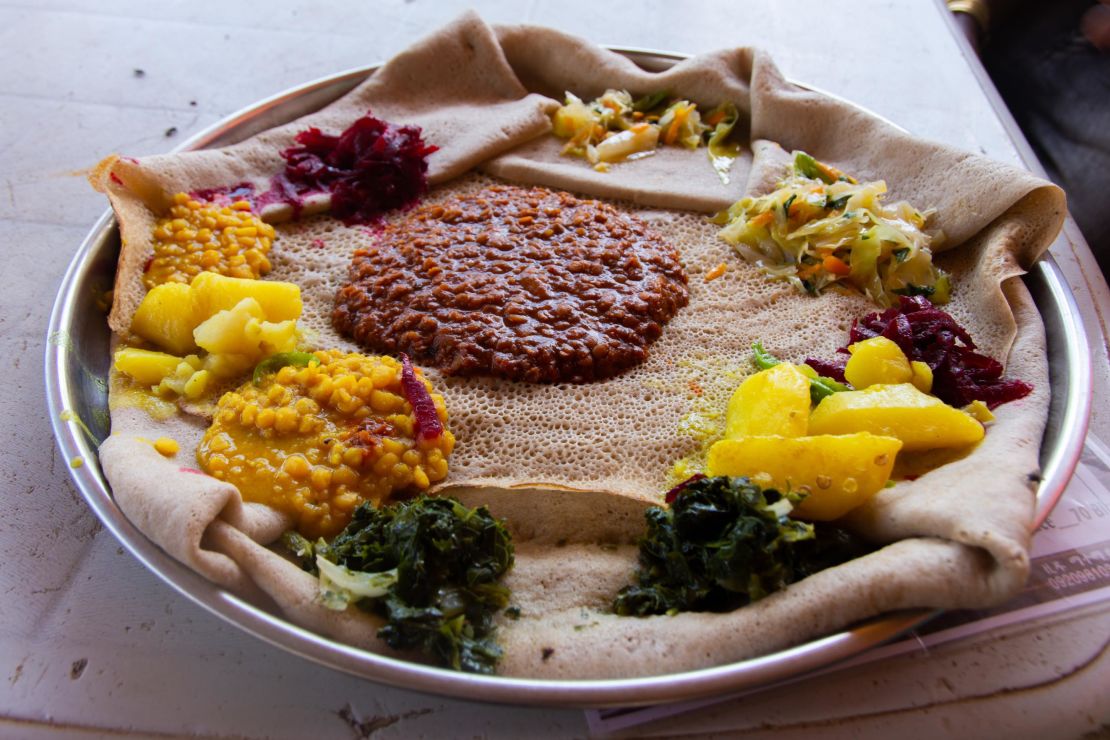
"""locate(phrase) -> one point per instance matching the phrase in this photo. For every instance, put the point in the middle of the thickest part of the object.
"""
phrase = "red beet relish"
(370, 168)
(427, 426)
(673, 493)
(927, 334)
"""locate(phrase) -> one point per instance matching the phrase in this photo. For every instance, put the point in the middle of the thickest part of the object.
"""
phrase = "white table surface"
(92, 644)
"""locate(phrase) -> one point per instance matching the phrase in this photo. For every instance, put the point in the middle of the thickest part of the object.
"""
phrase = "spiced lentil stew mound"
(522, 284)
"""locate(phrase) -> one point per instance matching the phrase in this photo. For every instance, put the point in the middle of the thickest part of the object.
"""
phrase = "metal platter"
(76, 367)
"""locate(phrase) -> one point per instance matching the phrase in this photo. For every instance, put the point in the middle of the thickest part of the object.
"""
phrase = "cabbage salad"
(614, 128)
(822, 228)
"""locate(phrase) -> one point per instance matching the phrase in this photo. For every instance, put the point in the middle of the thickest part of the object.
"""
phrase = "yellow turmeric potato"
(922, 376)
(243, 330)
(921, 421)
(773, 401)
(877, 360)
(145, 366)
(979, 411)
(170, 312)
(166, 317)
(214, 292)
(838, 472)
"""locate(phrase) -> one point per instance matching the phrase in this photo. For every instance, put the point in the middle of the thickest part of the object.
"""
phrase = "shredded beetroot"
(829, 368)
(673, 493)
(370, 168)
(226, 195)
(428, 426)
(926, 333)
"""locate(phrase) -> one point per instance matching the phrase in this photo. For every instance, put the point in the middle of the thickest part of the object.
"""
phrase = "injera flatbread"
(572, 467)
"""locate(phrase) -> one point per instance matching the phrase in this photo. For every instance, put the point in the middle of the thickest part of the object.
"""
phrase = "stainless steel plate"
(77, 362)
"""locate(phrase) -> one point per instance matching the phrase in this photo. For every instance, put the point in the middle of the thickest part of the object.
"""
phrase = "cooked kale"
(912, 290)
(789, 202)
(302, 548)
(724, 543)
(448, 560)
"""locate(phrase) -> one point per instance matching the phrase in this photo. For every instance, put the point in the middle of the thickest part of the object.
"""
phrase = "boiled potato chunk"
(229, 365)
(571, 118)
(188, 379)
(215, 293)
(773, 401)
(166, 317)
(877, 360)
(145, 366)
(237, 321)
(921, 421)
(979, 411)
(922, 376)
(225, 331)
(243, 330)
(170, 312)
(840, 472)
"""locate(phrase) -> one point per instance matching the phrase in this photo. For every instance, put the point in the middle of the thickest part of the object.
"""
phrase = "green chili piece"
(273, 363)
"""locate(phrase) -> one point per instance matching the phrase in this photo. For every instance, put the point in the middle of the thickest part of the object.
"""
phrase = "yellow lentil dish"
(316, 441)
(197, 237)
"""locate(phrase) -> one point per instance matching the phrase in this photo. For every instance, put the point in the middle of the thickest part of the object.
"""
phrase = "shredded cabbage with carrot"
(614, 128)
(822, 228)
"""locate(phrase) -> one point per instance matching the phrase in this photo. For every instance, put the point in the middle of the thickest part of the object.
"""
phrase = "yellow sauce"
(125, 396)
(68, 415)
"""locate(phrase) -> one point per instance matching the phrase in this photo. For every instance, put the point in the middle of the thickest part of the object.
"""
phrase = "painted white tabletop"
(92, 644)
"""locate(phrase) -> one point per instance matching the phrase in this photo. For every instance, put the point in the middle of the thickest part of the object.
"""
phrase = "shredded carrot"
(716, 272)
(679, 118)
(833, 173)
(672, 132)
(802, 211)
(762, 219)
(714, 118)
(836, 266)
(830, 173)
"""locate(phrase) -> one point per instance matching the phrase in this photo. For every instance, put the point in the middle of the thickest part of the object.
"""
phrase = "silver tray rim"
(70, 385)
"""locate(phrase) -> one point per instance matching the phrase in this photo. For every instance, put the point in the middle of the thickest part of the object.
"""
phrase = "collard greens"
(724, 543)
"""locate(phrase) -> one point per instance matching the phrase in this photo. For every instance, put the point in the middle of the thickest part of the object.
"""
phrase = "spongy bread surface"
(625, 434)
(572, 467)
